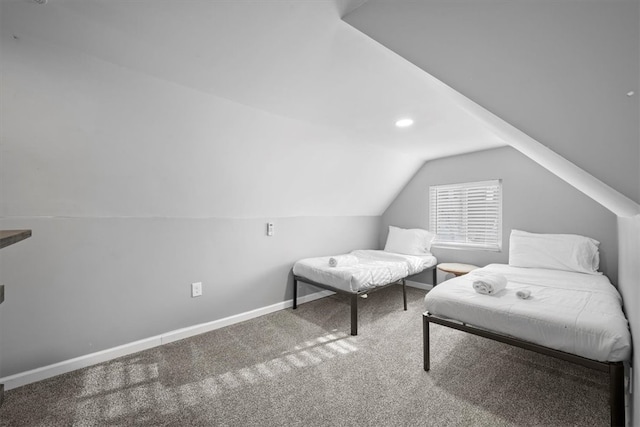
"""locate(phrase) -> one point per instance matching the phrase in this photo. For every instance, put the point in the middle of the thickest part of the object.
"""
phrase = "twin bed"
(406, 252)
(570, 310)
(574, 313)
(367, 271)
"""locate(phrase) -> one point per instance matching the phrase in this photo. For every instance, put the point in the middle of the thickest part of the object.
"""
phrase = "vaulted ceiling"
(566, 73)
(289, 58)
(211, 108)
(230, 108)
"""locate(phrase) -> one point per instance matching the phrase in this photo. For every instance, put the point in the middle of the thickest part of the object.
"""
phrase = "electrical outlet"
(269, 229)
(196, 289)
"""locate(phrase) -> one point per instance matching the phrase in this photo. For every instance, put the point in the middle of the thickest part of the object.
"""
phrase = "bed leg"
(435, 276)
(295, 293)
(425, 343)
(354, 314)
(616, 393)
(404, 294)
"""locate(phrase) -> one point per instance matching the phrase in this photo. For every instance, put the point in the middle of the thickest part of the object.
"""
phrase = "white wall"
(629, 286)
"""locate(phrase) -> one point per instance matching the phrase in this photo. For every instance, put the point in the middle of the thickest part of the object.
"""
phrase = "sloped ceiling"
(564, 73)
(211, 109)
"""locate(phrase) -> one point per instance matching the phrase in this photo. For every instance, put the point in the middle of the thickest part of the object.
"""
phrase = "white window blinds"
(467, 215)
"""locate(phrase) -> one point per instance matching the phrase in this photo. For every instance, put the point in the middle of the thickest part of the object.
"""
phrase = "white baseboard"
(39, 374)
(190, 331)
(419, 285)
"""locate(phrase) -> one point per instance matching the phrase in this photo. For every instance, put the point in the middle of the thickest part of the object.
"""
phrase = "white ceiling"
(296, 59)
(562, 72)
(292, 61)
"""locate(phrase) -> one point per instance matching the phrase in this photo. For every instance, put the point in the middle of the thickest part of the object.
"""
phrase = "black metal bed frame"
(615, 369)
(353, 295)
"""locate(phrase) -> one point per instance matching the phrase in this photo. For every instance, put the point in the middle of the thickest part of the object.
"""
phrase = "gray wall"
(558, 70)
(80, 285)
(533, 200)
(136, 185)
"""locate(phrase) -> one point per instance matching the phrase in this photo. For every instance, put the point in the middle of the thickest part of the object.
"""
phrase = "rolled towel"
(342, 260)
(523, 293)
(489, 284)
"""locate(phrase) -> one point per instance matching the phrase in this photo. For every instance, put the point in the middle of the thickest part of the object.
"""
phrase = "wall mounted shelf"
(9, 237)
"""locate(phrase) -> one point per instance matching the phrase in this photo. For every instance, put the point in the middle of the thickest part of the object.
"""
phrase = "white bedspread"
(374, 268)
(573, 312)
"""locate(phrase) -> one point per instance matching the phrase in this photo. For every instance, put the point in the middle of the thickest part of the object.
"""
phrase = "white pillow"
(568, 252)
(415, 241)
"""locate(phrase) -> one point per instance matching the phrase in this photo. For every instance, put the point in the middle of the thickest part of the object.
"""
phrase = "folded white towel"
(489, 284)
(342, 260)
(523, 293)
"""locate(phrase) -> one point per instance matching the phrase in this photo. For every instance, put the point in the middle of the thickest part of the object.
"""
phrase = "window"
(467, 215)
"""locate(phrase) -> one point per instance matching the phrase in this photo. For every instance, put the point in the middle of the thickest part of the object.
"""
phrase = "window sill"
(466, 247)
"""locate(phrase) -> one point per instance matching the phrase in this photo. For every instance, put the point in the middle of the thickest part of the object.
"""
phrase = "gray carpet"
(302, 368)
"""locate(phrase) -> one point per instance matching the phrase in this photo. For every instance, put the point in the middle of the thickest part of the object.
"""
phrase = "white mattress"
(374, 268)
(572, 312)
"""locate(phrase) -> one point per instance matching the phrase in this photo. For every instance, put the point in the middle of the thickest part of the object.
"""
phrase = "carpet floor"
(302, 368)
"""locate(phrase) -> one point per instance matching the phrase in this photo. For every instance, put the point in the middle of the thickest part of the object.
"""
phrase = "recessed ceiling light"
(403, 123)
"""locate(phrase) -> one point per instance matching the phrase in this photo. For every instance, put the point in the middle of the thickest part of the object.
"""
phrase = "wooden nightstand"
(456, 269)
